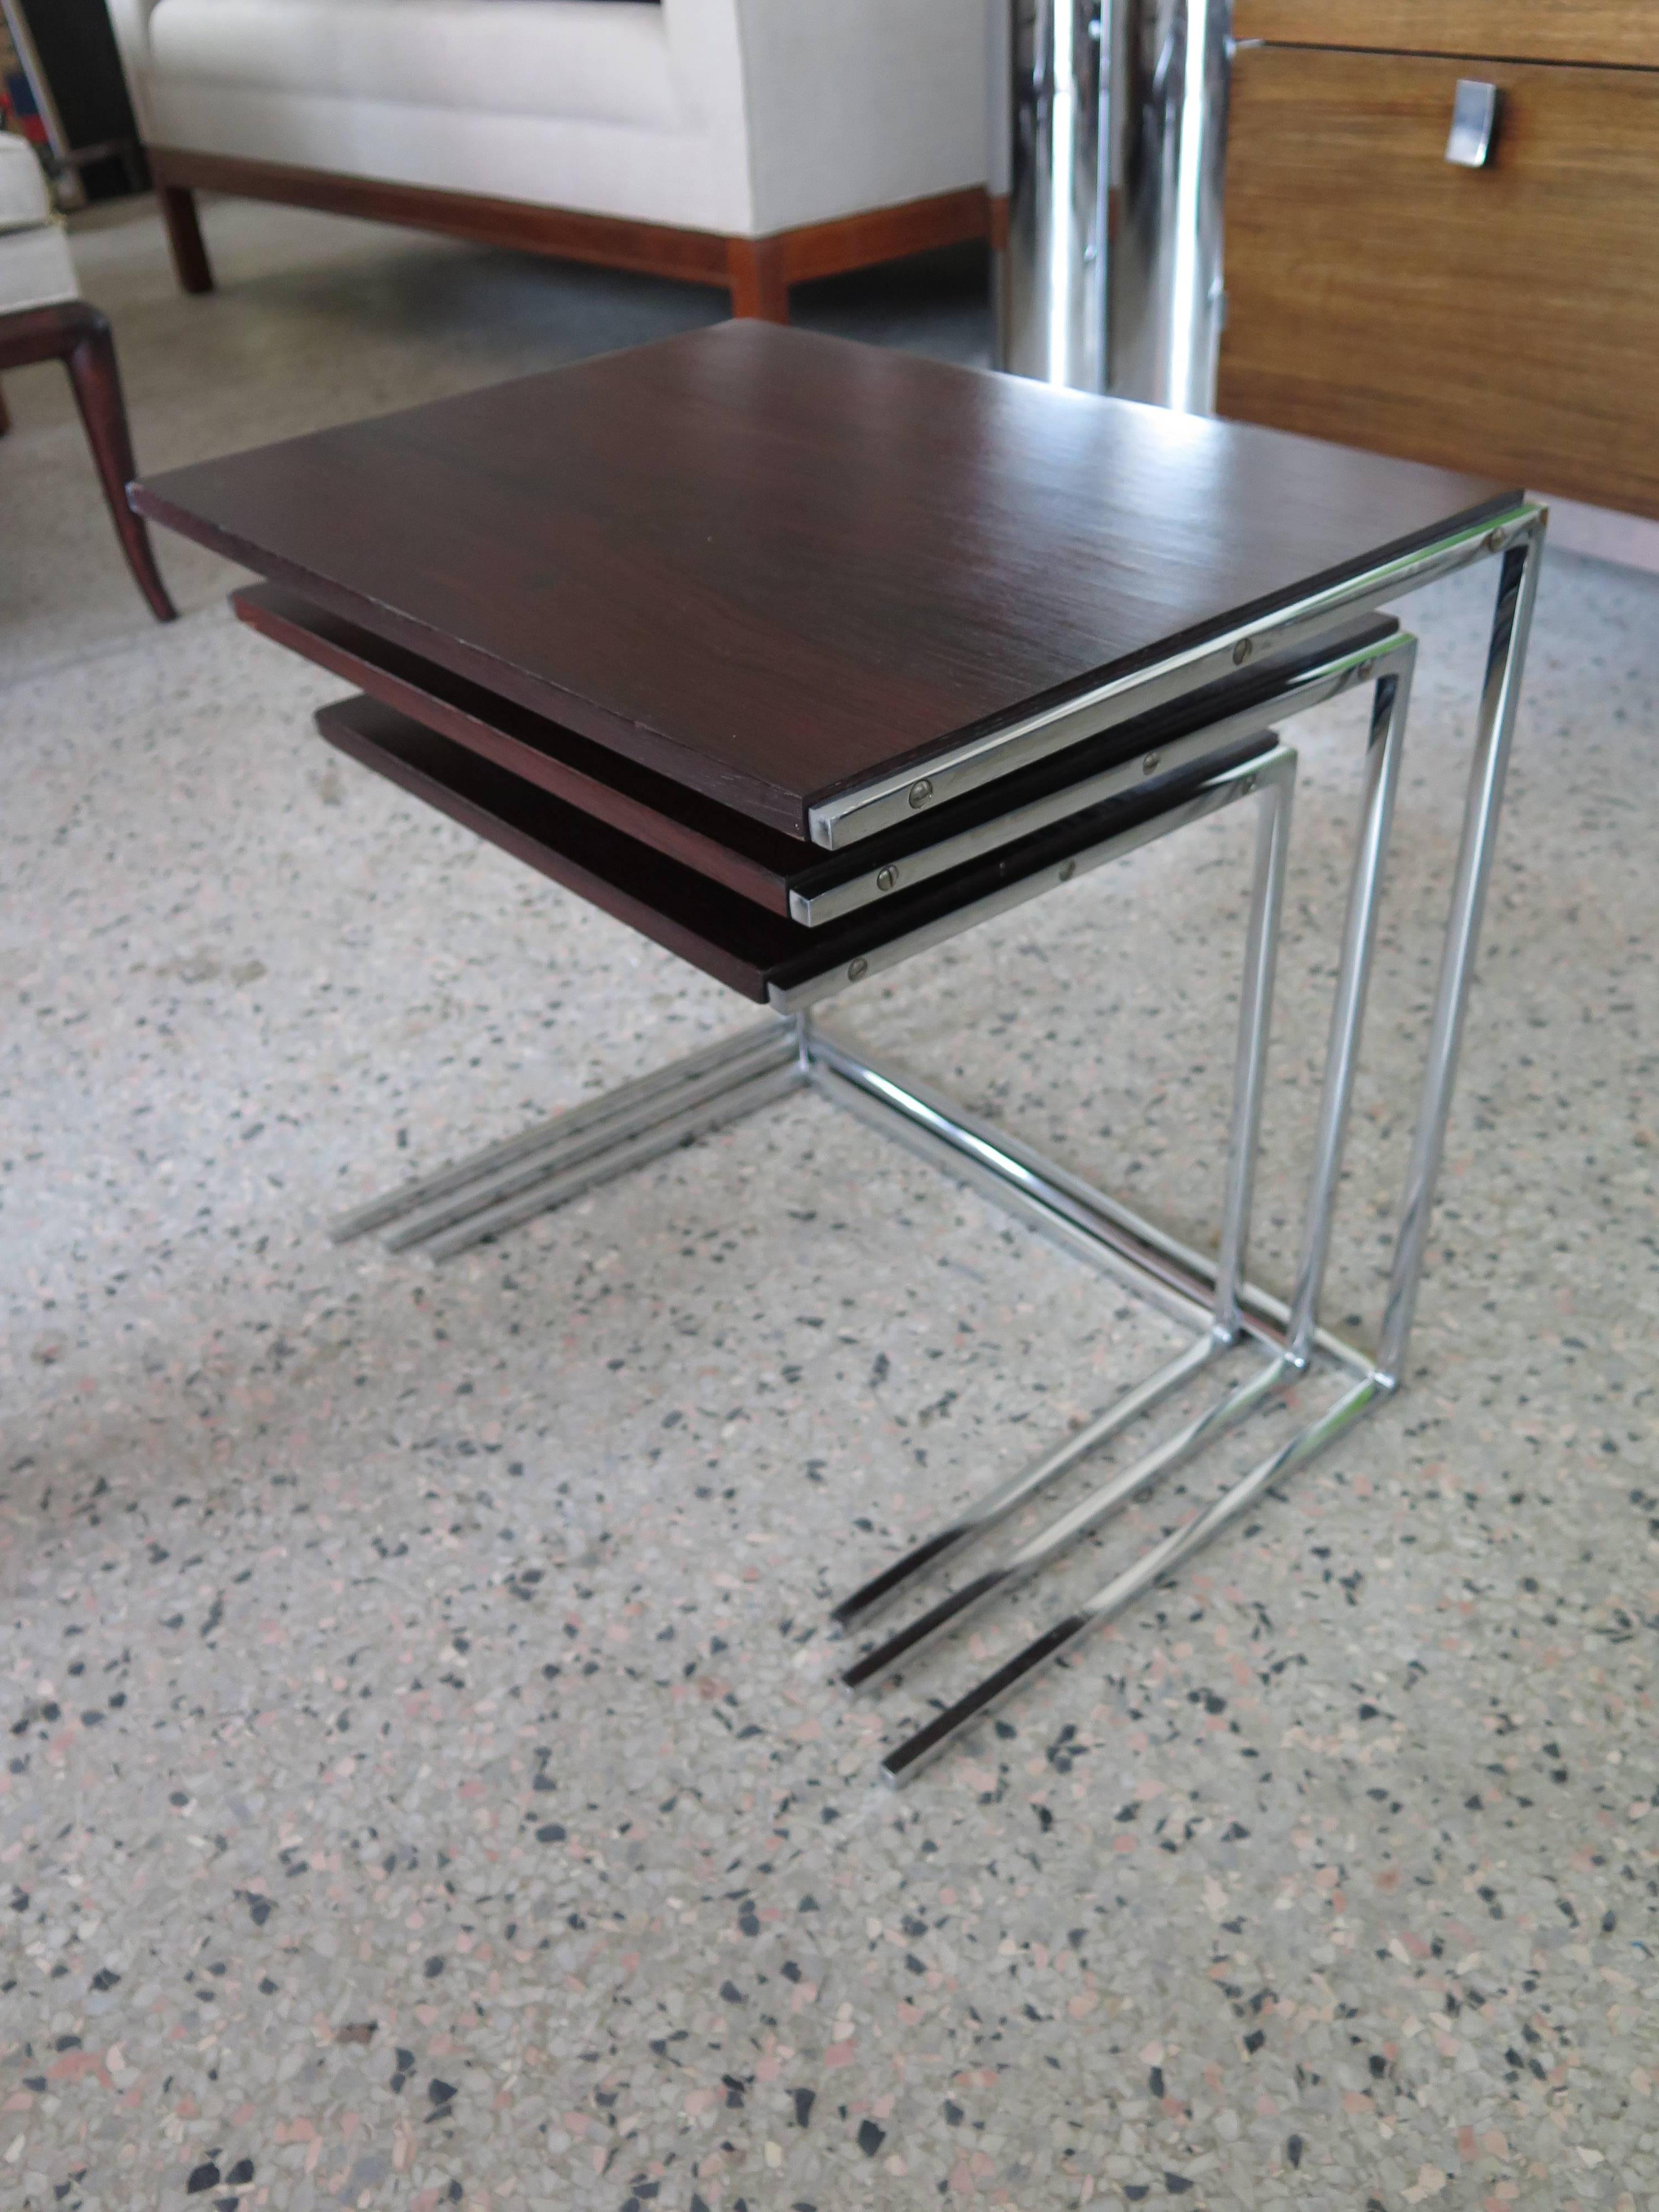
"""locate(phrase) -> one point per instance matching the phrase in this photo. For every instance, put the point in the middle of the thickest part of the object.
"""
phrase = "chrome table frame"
(579, 1150)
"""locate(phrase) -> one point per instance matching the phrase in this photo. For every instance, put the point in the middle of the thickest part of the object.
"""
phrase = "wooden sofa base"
(757, 271)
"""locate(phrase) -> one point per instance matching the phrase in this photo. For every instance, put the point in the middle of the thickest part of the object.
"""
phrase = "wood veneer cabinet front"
(1625, 33)
(1504, 319)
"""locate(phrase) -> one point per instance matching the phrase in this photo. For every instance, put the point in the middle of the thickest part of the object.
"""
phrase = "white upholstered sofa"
(748, 143)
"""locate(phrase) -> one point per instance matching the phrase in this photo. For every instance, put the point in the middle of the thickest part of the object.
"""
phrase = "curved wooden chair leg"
(90, 360)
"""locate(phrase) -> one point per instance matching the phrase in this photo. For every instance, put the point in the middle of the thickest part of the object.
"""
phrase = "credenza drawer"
(1625, 33)
(1503, 320)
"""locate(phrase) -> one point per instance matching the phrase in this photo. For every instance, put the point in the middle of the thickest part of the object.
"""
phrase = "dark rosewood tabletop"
(770, 566)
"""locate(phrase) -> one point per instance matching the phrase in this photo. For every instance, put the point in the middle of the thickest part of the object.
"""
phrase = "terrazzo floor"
(426, 1783)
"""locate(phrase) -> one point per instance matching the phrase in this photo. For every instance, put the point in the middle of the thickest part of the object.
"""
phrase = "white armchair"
(745, 142)
(35, 268)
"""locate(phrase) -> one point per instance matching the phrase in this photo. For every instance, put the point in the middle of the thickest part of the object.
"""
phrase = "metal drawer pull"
(1474, 123)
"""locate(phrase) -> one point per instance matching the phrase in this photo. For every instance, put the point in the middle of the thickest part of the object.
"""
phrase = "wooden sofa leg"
(760, 290)
(189, 255)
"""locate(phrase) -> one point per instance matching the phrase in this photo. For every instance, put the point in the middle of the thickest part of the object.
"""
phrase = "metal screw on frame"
(923, 791)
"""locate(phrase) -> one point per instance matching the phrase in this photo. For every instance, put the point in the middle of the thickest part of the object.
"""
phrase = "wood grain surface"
(1504, 319)
(727, 936)
(747, 856)
(1621, 32)
(773, 566)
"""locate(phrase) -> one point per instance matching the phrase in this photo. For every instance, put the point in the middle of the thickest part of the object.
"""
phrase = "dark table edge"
(700, 922)
(286, 619)
(763, 801)
(727, 847)
(339, 723)
(1259, 614)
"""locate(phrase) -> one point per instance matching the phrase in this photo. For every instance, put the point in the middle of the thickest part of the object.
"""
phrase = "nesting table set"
(801, 657)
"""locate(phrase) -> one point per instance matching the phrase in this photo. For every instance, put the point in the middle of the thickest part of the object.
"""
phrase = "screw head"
(923, 791)
(1151, 764)
(1068, 870)
(1241, 652)
(855, 969)
(885, 878)
(1247, 785)
(1497, 539)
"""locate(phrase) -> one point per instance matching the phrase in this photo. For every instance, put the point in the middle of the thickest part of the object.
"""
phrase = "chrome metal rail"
(444, 1213)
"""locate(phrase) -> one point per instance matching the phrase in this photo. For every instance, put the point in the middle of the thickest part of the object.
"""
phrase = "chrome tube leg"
(1187, 1444)
(617, 1157)
(1000, 1174)
(918, 1751)
(988, 1512)
(421, 1208)
(1382, 755)
(1089, 1223)
(596, 1145)
(1500, 698)
(1254, 1023)
(939, 1128)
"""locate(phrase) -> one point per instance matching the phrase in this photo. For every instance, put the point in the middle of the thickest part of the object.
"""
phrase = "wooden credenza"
(1505, 318)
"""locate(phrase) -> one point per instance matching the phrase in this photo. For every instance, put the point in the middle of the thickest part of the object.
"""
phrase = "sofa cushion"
(548, 58)
(23, 199)
(35, 269)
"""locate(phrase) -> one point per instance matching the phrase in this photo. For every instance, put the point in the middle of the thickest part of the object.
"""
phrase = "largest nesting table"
(800, 656)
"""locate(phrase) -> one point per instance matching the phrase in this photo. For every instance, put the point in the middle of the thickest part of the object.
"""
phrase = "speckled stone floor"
(425, 1783)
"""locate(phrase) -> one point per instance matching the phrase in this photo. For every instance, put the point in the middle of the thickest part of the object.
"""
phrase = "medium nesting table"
(800, 657)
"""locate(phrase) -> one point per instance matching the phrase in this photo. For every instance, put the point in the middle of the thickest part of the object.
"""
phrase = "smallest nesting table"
(800, 657)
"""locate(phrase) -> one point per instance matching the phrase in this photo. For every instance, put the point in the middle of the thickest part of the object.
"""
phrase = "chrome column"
(1110, 278)
(1170, 70)
(1052, 280)
(1382, 780)
(1500, 702)
(1254, 1021)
